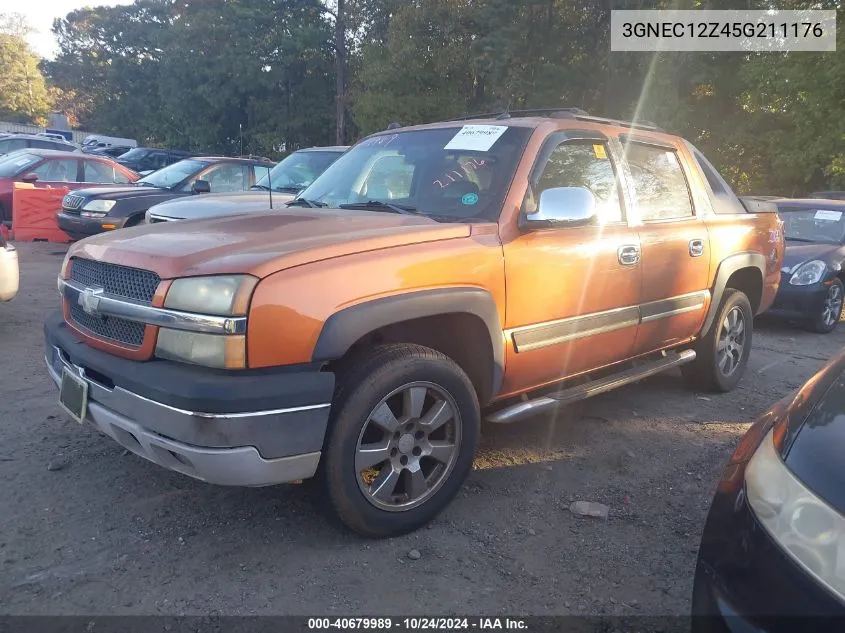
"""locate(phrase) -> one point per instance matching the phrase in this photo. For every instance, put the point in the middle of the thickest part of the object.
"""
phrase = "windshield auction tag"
(476, 138)
(833, 216)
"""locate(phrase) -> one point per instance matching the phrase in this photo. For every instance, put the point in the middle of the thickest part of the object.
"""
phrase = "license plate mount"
(73, 395)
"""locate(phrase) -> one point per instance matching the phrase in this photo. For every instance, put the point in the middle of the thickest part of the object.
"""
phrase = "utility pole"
(340, 88)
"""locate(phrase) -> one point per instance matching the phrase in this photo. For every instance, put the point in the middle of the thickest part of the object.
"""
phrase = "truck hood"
(217, 204)
(262, 243)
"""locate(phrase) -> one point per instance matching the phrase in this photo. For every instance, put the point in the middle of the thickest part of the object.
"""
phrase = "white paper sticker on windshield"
(833, 216)
(476, 138)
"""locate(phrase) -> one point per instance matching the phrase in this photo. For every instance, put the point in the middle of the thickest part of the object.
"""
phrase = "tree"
(23, 91)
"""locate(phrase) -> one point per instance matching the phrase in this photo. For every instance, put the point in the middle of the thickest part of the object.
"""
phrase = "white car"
(9, 272)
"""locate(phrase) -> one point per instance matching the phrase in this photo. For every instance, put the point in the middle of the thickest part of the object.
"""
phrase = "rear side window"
(722, 198)
(96, 171)
(660, 186)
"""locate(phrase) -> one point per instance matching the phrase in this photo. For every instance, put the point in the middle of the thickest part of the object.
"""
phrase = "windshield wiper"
(380, 205)
(288, 189)
(148, 184)
(262, 187)
(302, 202)
(798, 239)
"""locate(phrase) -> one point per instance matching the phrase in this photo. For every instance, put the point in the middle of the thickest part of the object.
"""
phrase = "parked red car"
(51, 168)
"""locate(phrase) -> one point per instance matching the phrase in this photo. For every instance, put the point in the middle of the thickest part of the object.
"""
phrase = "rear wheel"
(831, 309)
(402, 435)
(723, 353)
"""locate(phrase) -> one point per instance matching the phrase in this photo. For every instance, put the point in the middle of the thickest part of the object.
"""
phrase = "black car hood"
(122, 193)
(813, 446)
(799, 252)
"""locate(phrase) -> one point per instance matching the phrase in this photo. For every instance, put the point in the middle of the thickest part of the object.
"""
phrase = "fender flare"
(343, 328)
(728, 267)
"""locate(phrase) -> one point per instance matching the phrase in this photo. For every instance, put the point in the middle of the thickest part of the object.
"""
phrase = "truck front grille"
(117, 281)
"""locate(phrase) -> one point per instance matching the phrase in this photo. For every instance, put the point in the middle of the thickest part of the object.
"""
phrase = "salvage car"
(9, 267)
(273, 189)
(50, 168)
(772, 556)
(499, 266)
(91, 211)
(15, 142)
(811, 290)
(149, 159)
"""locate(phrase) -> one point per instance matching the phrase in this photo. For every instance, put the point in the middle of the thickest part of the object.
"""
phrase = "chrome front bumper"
(124, 416)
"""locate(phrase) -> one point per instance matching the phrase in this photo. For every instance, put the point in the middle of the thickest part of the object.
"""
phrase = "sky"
(41, 13)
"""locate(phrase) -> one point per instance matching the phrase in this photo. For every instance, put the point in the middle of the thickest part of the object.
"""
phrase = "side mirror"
(563, 206)
(29, 177)
(201, 186)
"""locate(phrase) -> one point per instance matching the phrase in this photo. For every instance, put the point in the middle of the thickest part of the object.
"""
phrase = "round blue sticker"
(469, 199)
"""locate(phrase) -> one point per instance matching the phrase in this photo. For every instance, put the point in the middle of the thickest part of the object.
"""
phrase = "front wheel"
(723, 353)
(402, 435)
(831, 309)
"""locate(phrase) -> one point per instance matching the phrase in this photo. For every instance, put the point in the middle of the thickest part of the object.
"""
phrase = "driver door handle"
(629, 254)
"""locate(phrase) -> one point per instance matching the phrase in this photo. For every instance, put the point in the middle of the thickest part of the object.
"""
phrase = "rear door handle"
(696, 247)
(628, 255)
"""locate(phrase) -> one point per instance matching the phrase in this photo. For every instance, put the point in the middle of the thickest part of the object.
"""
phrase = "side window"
(96, 171)
(659, 183)
(120, 177)
(588, 165)
(12, 144)
(389, 179)
(227, 177)
(63, 170)
(157, 160)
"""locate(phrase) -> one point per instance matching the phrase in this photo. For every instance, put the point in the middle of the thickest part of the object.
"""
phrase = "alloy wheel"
(408, 446)
(731, 345)
(832, 306)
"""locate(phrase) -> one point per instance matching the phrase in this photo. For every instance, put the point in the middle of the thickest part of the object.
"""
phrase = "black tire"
(361, 389)
(707, 371)
(134, 220)
(831, 310)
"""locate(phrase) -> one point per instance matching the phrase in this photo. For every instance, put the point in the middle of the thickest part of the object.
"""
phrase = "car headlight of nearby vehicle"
(808, 273)
(808, 529)
(97, 208)
(220, 295)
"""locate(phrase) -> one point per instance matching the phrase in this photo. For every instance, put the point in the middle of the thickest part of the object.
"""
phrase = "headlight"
(809, 530)
(809, 273)
(209, 350)
(92, 214)
(101, 206)
(223, 295)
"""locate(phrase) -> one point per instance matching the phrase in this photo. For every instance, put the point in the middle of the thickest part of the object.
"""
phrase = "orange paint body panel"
(566, 303)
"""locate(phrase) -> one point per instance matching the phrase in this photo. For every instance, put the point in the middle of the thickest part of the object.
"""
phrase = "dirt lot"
(100, 531)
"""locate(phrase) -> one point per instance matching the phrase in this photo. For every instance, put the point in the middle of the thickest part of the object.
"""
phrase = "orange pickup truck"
(495, 267)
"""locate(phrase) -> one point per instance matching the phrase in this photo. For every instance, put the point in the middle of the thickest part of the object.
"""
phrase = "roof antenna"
(507, 113)
(270, 187)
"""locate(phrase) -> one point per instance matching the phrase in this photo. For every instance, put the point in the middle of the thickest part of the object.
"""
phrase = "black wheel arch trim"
(728, 267)
(342, 329)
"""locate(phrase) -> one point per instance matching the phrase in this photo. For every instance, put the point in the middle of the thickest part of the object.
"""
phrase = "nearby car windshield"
(453, 173)
(15, 163)
(297, 171)
(136, 153)
(172, 175)
(814, 225)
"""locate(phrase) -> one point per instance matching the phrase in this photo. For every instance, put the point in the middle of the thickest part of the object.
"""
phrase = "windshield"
(814, 225)
(454, 173)
(134, 154)
(172, 175)
(13, 164)
(297, 171)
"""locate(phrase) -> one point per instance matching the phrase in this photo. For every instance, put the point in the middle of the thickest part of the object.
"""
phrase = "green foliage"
(194, 73)
(23, 91)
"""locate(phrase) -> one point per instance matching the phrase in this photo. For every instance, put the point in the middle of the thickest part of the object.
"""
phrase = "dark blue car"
(811, 288)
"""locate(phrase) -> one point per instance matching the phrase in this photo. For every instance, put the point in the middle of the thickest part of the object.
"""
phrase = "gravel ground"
(88, 529)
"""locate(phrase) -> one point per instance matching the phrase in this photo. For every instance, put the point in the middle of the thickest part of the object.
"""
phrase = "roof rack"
(561, 113)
